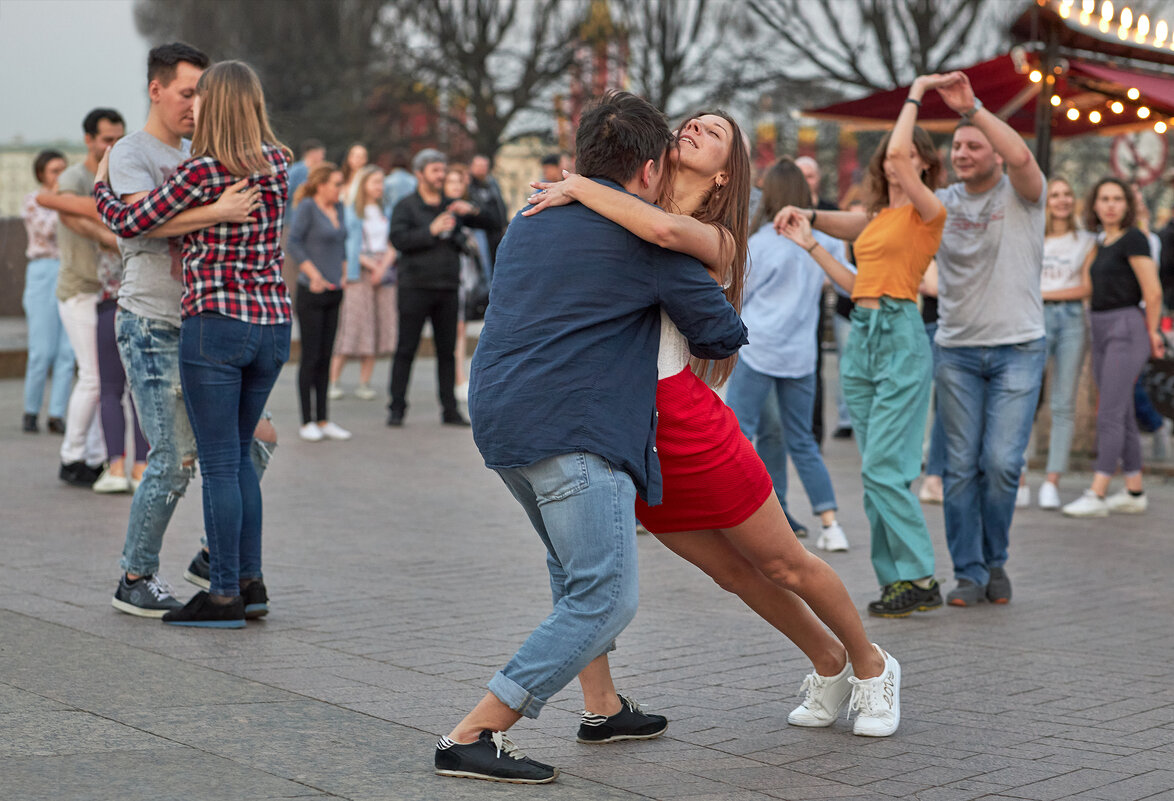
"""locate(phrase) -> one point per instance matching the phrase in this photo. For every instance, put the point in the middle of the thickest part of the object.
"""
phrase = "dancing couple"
(566, 409)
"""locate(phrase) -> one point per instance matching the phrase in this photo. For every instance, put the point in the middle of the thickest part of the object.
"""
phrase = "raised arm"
(845, 225)
(680, 232)
(798, 230)
(901, 152)
(1024, 173)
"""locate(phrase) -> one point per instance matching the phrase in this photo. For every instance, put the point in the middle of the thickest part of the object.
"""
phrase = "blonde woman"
(235, 332)
(367, 324)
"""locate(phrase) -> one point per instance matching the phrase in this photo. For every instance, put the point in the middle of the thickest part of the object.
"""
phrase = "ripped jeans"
(150, 353)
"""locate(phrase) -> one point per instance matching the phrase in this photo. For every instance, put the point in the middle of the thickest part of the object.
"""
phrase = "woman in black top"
(1119, 274)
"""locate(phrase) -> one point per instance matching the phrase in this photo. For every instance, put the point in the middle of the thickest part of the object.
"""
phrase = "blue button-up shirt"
(566, 361)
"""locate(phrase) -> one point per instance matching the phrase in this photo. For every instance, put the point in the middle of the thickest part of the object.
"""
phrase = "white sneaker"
(1049, 496)
(824, 697)
(110, 483)
(831, 538)
(1121, 503)
(1087, 505)
(332, 431)
(877, 701)
(1023, 497)
(334, 392)
(462, 392)
(310, 432)
(364, 392)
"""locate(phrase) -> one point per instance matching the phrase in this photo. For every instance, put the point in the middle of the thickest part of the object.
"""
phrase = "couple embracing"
(611, 318)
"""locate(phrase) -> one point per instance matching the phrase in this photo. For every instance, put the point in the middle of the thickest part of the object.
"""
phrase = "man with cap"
(425, 230)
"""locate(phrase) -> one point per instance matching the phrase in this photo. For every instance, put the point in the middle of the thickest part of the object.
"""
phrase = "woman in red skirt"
(719, 509)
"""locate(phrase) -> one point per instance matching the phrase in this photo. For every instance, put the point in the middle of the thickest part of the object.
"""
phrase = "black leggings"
(318, 322)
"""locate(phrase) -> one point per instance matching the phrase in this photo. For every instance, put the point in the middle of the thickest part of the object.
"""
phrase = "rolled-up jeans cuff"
(515, 696)
(824, 507)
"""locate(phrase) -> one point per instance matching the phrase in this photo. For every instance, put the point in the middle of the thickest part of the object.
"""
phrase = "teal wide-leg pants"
(886, 373)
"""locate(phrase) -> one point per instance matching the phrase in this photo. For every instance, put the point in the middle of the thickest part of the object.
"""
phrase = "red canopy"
(1087, 86)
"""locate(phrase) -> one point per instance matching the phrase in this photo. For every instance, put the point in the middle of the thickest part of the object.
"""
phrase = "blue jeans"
(228, 367)
(748, 389)
(150, 353)
(583, 509)
(935, 460)
(841, 327)
(48, 345)
(1067, 332)
(986, 397)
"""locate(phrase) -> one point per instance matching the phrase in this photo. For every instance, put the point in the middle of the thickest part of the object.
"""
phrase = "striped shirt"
(230, 269)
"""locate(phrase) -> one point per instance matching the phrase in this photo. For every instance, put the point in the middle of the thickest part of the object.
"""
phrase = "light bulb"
(1036, 76)
(1133, 94)
(1143, 112)
(1073, 114)
(1094, 117)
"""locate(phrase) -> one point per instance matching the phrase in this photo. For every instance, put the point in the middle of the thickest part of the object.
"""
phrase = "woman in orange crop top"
(886, 370)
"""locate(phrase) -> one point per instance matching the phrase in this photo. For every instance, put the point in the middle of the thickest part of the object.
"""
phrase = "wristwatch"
(967, 115)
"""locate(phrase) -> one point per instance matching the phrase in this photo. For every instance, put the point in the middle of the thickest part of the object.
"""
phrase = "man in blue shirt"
(313, 153)
(563, 408)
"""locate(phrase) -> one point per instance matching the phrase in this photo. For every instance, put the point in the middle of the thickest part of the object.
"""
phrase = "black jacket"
(427, 261)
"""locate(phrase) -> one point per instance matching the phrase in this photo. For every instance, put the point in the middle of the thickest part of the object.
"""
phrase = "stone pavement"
(403, 574)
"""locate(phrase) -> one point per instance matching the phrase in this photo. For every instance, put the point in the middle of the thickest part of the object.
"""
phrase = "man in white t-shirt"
(989, 346)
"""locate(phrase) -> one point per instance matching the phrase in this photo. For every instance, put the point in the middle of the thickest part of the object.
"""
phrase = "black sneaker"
(199, 571)
(903, 598)
(843, 432)
(454, 419)
(56, 425)
(395, 418)
(29, 424)
(146, 596)
(79, 474)
(255, 598)
(202, 612)
(630, 723)
(492, 758)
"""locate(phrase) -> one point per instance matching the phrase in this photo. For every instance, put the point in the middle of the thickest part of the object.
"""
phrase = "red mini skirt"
(712, 476)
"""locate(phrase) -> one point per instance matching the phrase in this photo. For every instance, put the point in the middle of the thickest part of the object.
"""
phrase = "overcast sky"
(61, 58)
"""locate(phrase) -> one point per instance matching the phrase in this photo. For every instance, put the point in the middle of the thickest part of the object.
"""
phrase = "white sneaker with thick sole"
(877, 701)
(334, 392)
(364, 392)
(1120, 503)
(1087, 505)
(831, 538)
(1023, 497)
(824, 698)
(110, 483)
(310, 432)
(1049, 496)
(335, 432)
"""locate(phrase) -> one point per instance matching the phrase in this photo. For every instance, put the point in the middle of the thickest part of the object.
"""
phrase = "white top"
(375, 230)
(673, 356)
(1063, 259)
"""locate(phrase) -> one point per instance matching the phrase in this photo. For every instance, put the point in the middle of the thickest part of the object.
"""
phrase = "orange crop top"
(893, 252)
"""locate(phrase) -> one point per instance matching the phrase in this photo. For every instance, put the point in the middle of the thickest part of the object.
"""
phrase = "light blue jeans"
(1067, 332)
(583, 509)
(48, 344)
(150, 353)
(747, 391)
(986, 398)
(842, 328)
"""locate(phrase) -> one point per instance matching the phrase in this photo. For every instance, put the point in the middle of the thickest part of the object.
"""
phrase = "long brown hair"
(233, 127)
(782, 185)
(726, 208)
(318, 176)
(877, 185)
(1092, 222)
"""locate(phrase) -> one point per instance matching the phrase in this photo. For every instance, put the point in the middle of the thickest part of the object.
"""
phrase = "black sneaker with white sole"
(630, 723)
(147, 596)
(199, 571)
(492, 758)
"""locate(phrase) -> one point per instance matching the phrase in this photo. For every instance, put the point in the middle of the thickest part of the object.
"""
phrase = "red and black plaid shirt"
(230, 269)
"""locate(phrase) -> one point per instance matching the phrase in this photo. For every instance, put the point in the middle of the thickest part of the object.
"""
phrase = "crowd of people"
(156, 265)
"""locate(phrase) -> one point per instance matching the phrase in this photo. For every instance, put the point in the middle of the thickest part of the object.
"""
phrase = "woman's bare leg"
(599, 692)
(366, 370)
(336, 365)
(767, 541)
(720, 560)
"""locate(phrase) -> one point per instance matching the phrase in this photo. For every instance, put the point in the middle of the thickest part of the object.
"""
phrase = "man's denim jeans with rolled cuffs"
(583, 509)
(150, 353)
(986, 398)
